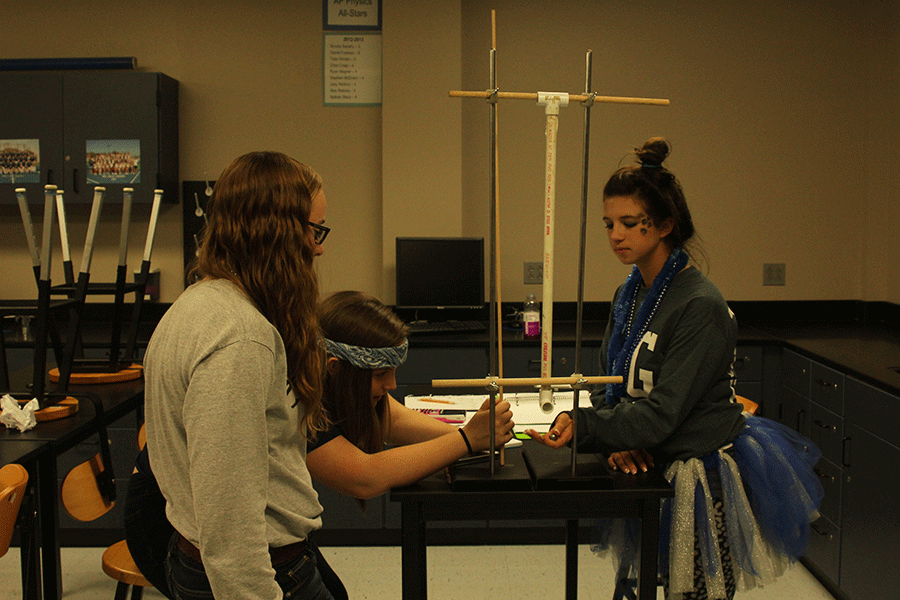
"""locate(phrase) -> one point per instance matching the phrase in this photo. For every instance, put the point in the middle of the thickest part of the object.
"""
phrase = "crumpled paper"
(22, 418)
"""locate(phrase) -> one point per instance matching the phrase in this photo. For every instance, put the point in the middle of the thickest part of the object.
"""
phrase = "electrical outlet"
(773, 274)
(534, 272)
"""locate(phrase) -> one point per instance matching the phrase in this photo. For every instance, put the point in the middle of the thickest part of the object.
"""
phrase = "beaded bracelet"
(466, 440)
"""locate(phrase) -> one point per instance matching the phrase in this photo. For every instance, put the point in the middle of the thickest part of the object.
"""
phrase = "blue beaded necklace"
(628, 327)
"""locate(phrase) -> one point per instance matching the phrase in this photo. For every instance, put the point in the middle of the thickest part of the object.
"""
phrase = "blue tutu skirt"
(770, 495)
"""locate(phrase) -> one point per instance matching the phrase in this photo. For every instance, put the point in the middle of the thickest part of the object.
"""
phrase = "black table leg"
(29, 549)
(48, 509)
(649, 559)
(415, 579)
(572, 559)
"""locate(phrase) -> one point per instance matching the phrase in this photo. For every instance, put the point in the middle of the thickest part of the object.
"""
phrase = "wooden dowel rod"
(524, 381)
(572, 97)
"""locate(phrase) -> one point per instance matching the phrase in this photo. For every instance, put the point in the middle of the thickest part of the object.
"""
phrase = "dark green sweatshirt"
(680, 401)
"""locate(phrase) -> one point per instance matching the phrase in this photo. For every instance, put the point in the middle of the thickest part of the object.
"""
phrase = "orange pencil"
(436, 400)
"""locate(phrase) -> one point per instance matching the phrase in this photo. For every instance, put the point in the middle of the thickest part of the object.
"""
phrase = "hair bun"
(653, 153)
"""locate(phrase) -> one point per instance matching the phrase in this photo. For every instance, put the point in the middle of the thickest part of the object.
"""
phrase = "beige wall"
(783, 121)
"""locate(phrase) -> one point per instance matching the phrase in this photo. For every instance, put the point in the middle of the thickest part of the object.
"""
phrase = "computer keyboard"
(446, 326)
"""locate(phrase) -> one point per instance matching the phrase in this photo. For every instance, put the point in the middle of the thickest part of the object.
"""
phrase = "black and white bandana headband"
(369, 358)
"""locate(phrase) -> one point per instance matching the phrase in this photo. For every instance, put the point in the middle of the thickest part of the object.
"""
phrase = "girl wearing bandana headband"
(745, 491)
(365, 342)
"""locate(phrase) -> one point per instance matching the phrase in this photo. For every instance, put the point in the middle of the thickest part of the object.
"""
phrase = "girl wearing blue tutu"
(745, 492)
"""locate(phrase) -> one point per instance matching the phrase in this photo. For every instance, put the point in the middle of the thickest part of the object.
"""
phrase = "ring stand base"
(552, 469)
(534, 467)
(127, 374)
(511, 477)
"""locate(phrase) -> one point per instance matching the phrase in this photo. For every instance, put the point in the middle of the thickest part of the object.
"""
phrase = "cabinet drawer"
(794, 410)
(873, 409)
(526, 362)
(748, 363)
(795, 372)
(825, 547)
(826, 430)
(830, 476)
(827, 388)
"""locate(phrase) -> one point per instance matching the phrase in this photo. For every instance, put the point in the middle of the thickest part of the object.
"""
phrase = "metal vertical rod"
(494, 364)
(585, 166)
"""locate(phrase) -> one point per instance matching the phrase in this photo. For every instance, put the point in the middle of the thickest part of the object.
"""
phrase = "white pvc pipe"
(551, 102)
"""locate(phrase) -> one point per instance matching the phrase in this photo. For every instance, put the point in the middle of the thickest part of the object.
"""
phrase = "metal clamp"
(581, 384)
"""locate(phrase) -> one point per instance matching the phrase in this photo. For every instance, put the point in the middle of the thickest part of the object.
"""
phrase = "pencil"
(436, 400)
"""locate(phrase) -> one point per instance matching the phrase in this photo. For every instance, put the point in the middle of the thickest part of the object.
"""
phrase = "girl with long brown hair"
(233, 390)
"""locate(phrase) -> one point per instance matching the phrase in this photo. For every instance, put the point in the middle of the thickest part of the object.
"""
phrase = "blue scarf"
(628, 327)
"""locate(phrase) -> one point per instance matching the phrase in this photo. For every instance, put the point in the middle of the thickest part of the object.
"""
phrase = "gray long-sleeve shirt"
(225, 443)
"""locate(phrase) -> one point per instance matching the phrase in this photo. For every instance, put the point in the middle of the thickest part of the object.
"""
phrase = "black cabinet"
(871, 494)
(853, 545)
(525, 361)
(31, 133)
(80, 129)
(423, 364)
(748, 371)
(811, 400)
(792, 405)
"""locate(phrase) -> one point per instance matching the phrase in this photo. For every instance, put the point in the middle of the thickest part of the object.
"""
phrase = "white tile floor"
(499, 573)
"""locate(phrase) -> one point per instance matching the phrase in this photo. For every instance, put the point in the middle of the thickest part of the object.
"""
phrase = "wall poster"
(113, 161)
(352, 69)
(20, 161)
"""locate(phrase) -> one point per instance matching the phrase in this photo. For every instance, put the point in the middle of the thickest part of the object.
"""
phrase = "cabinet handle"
(739, 362)
(50, 177)
(75, 181)
(847, 452)
(825, 476)
(827, 384)
(801, 418)
(831, 428)
(826, 534)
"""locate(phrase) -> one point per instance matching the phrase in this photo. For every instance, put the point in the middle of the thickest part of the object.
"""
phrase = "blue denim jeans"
(298, 578)
(148, 532)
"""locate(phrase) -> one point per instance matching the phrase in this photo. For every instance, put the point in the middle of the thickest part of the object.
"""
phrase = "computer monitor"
(440, 273)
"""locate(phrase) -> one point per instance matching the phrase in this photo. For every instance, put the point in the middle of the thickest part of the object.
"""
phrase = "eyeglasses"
(320, 232)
